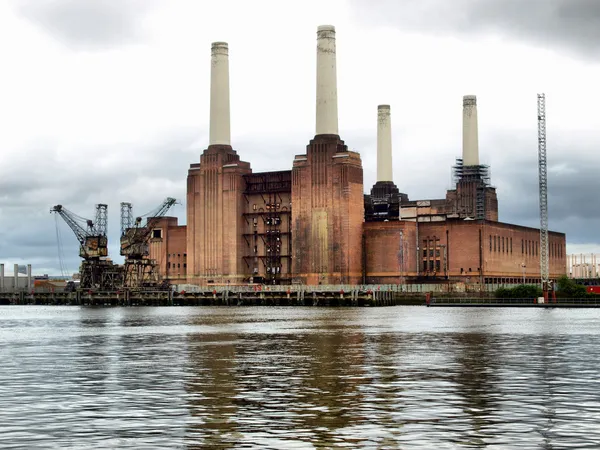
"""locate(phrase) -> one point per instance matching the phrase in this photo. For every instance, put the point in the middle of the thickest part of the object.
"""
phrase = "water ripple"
(406, 377)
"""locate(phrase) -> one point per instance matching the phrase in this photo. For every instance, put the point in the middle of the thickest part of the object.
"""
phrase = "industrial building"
(314, 224)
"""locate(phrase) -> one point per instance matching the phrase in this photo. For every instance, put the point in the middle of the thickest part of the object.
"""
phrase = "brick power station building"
(313, 224)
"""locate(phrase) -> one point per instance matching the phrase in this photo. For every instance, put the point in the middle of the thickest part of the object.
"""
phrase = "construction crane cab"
(95, 270)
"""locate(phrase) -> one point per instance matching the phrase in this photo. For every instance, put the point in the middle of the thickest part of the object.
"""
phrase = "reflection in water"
(211, 390)
(476, 382)
(279, 378)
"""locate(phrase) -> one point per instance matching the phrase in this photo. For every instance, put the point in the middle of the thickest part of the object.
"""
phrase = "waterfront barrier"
(262, 296)
(513, 302)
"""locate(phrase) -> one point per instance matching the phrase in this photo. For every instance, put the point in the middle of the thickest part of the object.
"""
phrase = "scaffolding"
(272, 233)
(479, 179)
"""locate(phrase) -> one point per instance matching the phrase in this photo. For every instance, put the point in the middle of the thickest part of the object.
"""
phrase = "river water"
(397, 377)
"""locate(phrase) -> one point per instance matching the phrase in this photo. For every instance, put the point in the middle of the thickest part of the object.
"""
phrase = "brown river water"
(265, 377)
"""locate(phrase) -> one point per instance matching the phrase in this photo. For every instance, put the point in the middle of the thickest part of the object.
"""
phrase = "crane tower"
(543, 190)
(139, 270)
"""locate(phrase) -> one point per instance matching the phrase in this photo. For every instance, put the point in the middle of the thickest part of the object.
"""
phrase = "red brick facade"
(462, 250)
(215, 204)
(389, 251)
(168, 248)
(327, 213)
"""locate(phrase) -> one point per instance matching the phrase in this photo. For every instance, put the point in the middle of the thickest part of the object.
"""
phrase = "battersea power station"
(314, 224)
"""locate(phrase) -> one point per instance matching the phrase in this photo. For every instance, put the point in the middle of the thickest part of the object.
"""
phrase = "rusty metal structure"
(268, 226)
(139, 271)
(96, 270)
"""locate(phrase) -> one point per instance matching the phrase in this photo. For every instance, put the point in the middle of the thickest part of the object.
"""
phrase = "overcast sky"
(104, 101)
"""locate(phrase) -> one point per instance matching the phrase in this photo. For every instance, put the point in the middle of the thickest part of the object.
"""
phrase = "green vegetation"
(520, 291)
(565, 288)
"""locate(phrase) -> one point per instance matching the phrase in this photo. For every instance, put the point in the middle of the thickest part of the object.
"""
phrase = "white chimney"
(470, 135)
(384, 144)
(220, 133)
(327, 109)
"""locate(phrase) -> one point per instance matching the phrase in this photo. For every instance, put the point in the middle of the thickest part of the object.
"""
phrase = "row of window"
(432, 266)
(501, 244)
(172, 265)
(178, 255)
(529, 247)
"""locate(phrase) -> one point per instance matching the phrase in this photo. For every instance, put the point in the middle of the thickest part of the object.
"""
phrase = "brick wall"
(169, 251)
(215, 214)
(327, 214)
(383, 260)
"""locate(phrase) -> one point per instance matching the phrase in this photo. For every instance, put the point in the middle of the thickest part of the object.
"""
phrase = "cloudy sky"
(104, 101)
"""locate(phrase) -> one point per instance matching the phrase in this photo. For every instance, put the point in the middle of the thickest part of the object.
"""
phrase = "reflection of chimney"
(219, 95)
(470, 139)
(384, 143)
(327, 113)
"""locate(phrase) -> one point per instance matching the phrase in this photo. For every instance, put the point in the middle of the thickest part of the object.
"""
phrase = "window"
(502, 244)
(522, 247)
(431, 266)
(184, 265)
(494, 243)
(511, 245)
(437, 265)
(424, 266)
(490, 242)
(179, 266)
(157, 233)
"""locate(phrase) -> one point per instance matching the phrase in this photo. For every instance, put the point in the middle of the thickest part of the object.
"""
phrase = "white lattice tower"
(543, 188)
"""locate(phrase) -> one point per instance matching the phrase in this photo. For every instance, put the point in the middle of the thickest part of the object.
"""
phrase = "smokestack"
(220, 133)
(470, 134)
(16, 279)
(384, 144)
(327, 112)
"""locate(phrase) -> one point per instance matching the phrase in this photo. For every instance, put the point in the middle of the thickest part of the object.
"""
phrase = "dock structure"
(512, 302)
(328, 296)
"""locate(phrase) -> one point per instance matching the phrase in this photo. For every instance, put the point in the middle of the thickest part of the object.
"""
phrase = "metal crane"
(543, 191)
(95, 270)
(139, 269)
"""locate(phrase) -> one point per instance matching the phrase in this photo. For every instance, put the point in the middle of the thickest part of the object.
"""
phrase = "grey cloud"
(573, 185)
(28, 191)
(570, 24)
(88, 24)
(573, 182)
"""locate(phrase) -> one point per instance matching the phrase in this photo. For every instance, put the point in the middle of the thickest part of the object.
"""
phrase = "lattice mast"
(543, 188)
(127, 220)
(102, 219)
